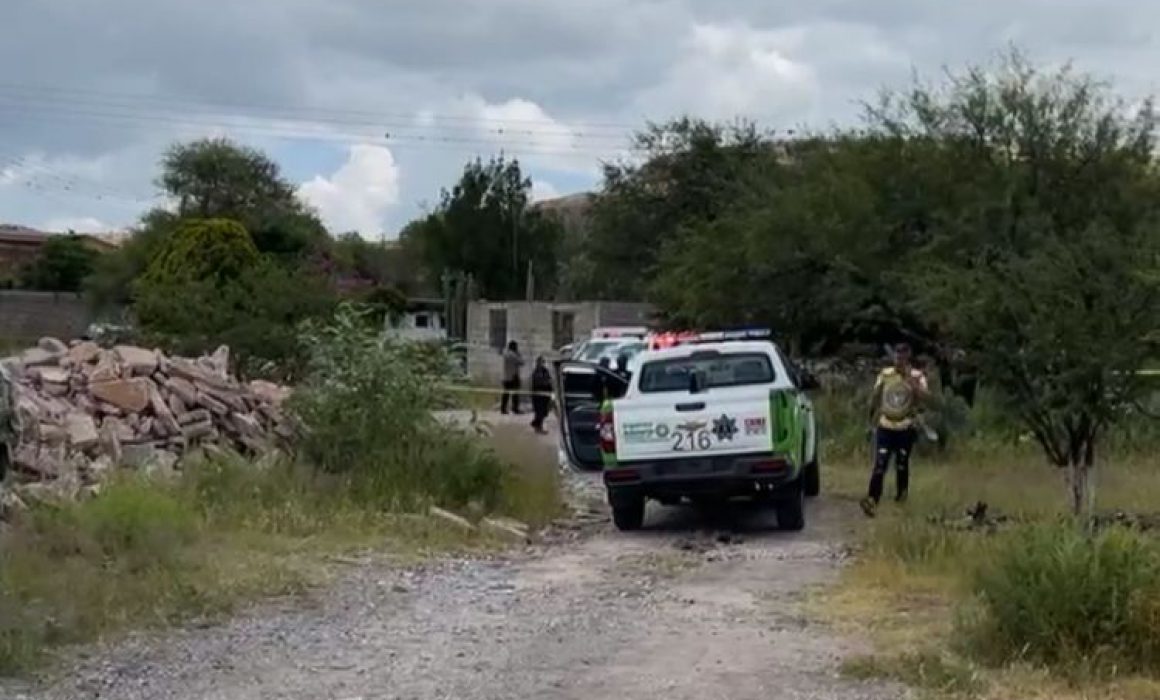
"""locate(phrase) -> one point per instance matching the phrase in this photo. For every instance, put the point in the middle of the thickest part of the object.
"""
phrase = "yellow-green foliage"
(203, 249)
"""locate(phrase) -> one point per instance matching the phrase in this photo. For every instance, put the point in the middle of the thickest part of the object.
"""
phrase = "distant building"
(540, 328)
(20, 245)
(423, 320)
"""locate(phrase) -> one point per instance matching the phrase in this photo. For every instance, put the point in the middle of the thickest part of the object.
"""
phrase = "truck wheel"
(811, 479)
(791, 511)
(628, 514)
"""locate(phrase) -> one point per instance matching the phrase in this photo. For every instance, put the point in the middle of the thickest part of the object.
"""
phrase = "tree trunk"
(1078, 474)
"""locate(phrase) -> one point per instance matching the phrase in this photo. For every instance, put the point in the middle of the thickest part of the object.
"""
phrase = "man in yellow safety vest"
(898, 393)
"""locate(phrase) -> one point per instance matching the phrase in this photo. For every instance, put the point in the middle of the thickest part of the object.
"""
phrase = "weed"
(927, 670)
(1055, 596)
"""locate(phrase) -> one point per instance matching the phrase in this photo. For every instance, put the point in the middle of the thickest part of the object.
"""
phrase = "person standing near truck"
(898, 393)
(541, 394)
(512, 362)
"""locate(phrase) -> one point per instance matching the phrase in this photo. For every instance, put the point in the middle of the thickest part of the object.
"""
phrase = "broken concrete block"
(161, 411)
(52, 345)
(50, 375)
(269, 391)
(137, 361)
(183, 389)
(215, 406)
(106, 368)
(505, 529)
(176, 406)
(51, 433)
(37, 357)
(187, 370)
(200, 429)
(452, 519)
(82, 431)
(130, 395)
(84, 353)
(194, 416)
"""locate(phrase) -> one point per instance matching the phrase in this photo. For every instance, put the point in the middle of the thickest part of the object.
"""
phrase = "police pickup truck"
(720, 416)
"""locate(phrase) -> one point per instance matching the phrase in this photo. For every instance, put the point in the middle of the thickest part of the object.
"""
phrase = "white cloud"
(731, 70)
(80, 224)
(352, 71)
(522, 128)
(359, 194)
(542, 189)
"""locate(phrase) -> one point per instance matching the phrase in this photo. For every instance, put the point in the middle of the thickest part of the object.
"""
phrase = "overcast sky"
(374, 105)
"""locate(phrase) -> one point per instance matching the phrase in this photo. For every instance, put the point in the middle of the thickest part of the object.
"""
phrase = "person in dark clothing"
(542, 395)
(622, 367)
(512, 362)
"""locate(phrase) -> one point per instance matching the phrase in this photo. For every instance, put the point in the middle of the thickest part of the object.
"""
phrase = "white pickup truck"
(719, 418)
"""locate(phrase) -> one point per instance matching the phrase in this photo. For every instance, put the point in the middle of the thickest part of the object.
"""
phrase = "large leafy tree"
(816, 245)
(691, 173)
(485, 227)
(1046, 263)
(214, 178)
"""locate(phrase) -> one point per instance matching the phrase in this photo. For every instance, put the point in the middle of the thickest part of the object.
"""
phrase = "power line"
(521, 146)
(25, 91)
(26, 174)
(476, 127)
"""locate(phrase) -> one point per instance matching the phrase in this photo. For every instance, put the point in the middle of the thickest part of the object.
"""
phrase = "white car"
(595, 350)
(716, 419)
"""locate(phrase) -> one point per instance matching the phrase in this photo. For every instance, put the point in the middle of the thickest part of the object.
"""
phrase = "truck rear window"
(727, 369)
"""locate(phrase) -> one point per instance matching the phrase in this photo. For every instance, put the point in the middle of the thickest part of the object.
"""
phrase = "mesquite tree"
(1044, 248)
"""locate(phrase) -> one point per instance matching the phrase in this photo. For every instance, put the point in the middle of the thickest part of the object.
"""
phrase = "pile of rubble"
(80, 410)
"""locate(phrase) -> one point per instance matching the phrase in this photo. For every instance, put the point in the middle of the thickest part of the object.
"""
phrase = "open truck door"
(581, 388)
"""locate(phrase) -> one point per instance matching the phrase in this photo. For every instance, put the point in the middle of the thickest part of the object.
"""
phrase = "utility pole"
(515, 246)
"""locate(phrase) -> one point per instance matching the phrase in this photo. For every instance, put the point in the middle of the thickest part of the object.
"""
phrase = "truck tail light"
(607, 431)
(770, 466)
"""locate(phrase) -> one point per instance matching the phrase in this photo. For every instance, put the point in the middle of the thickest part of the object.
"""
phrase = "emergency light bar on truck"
(605, 332)
(657, 341)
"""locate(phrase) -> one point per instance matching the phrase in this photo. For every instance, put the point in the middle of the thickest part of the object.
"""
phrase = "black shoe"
(869, 507)
(900, 498)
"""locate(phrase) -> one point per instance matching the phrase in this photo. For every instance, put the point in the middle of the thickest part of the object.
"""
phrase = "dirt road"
(685, 609)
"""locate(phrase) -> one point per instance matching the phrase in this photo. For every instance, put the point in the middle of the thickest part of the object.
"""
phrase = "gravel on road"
(686, 609)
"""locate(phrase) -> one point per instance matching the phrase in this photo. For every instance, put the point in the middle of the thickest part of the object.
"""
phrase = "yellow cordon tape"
(494, 392)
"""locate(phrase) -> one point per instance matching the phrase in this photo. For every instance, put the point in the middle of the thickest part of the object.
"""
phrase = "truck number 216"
(690, 441)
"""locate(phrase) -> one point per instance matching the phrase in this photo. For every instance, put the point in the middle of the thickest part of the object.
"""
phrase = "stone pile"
(81, 410)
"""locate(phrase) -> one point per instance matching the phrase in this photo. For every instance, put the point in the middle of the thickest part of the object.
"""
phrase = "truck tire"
(811, 480)
(791, 514)
(628, 514)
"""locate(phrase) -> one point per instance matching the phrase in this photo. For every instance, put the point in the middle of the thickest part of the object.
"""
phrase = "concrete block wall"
(529, 324)
(624, 313)
(26, 316)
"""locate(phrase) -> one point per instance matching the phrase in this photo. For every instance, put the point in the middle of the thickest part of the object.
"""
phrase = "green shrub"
(69, 572)
(1057, 597)
(256, 316)
(365, 411)
(203, 249)
(133, 523)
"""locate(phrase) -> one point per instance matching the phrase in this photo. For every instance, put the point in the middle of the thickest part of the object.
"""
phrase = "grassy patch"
(941, 675)
(531, 490)
(1034, 610)
(146, 554)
